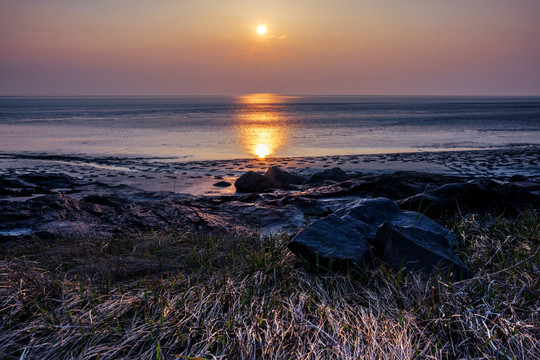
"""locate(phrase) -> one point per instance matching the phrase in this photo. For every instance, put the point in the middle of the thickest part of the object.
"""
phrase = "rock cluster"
(353, 217)
(403, 239)
(477, 196)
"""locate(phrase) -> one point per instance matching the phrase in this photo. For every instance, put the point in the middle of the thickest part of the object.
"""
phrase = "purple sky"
(170, 47)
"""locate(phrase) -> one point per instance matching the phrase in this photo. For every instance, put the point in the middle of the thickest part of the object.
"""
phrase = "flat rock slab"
(114, 211)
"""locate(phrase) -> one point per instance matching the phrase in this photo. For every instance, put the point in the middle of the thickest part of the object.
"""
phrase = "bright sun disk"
(261, 29)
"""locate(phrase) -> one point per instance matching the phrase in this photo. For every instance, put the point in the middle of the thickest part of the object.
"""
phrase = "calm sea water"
(259, 125)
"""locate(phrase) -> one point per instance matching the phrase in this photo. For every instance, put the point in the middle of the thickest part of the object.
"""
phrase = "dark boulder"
(517, 178)
(255, 182)
(335, 175)
(331, 243)
(412, 248)
(283, 177)
(478, 196)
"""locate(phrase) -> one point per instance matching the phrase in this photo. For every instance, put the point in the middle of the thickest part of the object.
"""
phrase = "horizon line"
(268, 93)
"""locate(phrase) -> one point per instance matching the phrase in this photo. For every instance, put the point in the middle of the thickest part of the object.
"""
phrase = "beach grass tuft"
(242, 296)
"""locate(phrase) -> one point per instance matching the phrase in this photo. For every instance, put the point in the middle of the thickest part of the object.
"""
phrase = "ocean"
(262, 125)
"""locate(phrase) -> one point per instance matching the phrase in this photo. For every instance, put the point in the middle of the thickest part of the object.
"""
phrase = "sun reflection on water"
(262, 129)
(262, 150)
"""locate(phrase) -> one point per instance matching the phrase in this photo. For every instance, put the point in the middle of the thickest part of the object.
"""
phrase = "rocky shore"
(48, 206)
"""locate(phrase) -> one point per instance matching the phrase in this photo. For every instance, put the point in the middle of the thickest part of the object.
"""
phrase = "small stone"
(222, 184)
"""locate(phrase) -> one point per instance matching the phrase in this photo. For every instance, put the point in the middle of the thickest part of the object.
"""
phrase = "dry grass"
(174, 296)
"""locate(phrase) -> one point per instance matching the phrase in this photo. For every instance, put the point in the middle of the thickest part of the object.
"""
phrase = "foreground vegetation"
(174, 296)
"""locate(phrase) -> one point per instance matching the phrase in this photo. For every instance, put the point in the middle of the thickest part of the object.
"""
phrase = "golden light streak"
(261, 129)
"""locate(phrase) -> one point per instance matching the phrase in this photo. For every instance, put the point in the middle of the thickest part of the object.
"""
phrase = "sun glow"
(261, 29)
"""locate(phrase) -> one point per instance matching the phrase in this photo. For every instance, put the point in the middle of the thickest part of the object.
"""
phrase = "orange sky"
(169, 47)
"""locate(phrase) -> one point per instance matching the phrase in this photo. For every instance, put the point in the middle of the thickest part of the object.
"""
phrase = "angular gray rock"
(255, 182)
(375, 212)
(344, 238)
(416, 249)
(331, 243)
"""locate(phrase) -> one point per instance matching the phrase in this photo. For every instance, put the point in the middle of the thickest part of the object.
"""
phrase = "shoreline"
(56, 196)
(199, 177)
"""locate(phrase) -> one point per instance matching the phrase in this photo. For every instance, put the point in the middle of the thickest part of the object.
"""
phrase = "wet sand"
(199, 177)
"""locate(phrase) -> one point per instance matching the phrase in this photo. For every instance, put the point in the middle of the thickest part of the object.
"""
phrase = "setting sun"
(261, 29)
